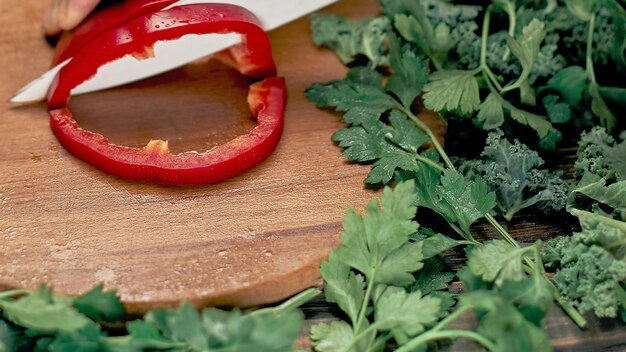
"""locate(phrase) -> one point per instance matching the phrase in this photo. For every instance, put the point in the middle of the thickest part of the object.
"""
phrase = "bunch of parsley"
(42, 321)
(529, 76)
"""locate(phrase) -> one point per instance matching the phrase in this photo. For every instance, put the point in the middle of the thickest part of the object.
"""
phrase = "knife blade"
(169, 55)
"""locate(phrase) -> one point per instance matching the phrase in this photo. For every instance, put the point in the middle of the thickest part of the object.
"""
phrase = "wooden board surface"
(254, 239)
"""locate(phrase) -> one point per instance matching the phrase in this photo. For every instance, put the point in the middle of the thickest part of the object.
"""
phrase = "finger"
(74, 11)
(51, 17)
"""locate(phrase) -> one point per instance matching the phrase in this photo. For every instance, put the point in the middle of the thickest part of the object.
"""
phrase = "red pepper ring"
(154, 163)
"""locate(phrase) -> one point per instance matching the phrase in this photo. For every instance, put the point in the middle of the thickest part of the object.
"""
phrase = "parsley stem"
(13, 293)
(484, 42)
(452, 316)
(365, 304)
(430, 163)
(356, 338)
(590, 69)
(422, 126)
(290, 304)
(510, 12)
(504, 233)
(447, 334)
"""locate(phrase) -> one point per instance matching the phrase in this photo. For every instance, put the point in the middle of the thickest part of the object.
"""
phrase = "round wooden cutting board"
(253, 239)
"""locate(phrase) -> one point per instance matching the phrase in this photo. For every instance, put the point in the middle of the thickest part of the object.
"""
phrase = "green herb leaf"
(333, 337)
(100, 305)
(351, 38)
(464, 202)
(497, 261)
(491, 112)
(526, 48)
(42, 311)
(452, 91)
(391, 147)
(570, 82)
(362, 102)
(405, 313)
(377, 245)
(505, 325)
(87, 339)
(342, 286)
(409, 73)
(557, 112)
(536, 122)
(599, 107)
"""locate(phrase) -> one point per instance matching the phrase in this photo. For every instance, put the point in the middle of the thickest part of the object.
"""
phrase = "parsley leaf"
(505, 325)
(557, 112)
(343, 286)
(570, 83)
(526, 48)
(451, 196)
(497, 261)
(100, 306)
(40, 310)
(405, 314)
(333, 337)
(452, 91)
(409, 73)
(491, 112)
(464, 202)
(391, 147)
(377, 245)
(363, 102)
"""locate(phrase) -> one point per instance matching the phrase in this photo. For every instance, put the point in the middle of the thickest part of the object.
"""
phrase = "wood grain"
(254, 239)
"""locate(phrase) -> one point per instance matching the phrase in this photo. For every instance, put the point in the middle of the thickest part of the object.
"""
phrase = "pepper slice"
(102, 21)
(154, 163)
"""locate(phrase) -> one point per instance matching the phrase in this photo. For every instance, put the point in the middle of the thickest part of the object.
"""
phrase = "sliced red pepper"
(102, 21)
(154, 162)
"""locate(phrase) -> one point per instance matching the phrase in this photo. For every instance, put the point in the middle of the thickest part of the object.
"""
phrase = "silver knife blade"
(175, 53)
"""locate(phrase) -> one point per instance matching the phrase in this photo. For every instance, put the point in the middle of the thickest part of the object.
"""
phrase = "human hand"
(66, 14)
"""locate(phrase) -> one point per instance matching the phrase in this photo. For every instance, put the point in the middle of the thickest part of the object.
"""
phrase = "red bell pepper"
(154, 163)
(102, 21)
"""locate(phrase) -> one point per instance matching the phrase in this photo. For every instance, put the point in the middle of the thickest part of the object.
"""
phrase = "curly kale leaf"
(435, 26)
(511, 171)
(600, 154)
(592, 192)
(591, 265)
(348, 39)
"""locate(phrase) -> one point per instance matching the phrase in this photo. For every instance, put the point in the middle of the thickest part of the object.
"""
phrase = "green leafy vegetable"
(390, 147)
(351, 38)
(512, 172)
(41, 311)
(363, 100)
(497, 261)
(600, 154)
(452, 91)
(100, 306)
(591, 266)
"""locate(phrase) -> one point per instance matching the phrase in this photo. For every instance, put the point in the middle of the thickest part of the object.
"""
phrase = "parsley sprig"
(42, 321)
(384, 130)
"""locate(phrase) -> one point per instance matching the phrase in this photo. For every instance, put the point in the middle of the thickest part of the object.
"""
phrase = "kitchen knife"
(175, 53)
